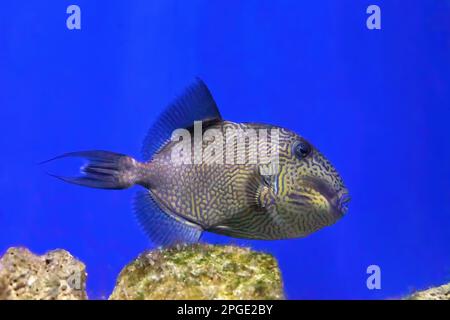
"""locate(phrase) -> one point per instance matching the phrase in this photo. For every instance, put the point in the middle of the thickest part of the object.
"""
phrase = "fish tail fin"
(104, 170)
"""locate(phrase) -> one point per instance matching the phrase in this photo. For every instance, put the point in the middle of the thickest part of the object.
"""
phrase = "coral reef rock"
(200, 272)
(56, 275)
(437, 293)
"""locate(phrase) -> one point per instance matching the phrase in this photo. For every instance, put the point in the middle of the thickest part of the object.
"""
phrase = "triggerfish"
(202, 173)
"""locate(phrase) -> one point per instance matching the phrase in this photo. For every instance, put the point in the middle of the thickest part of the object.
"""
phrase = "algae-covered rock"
(436, 293)
(54, 275)
(200, 272)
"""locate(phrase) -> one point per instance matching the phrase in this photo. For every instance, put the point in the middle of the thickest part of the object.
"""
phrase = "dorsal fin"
(195, 104)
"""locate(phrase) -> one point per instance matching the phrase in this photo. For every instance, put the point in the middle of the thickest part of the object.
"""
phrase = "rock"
(200, 272)
(54, 275)
(436, 293)
(4, 290)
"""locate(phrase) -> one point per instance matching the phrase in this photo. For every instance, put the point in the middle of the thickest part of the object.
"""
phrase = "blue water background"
(376, 102)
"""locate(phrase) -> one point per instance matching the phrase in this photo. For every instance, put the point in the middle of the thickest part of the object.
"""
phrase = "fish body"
(217, 180)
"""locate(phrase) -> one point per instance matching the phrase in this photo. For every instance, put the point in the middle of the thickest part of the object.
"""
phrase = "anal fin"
(162, 228)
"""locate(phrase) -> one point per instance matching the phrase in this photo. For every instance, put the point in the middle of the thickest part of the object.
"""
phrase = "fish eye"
(301, 149)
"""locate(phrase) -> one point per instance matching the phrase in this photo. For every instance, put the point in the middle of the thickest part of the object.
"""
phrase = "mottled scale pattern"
(219, 197)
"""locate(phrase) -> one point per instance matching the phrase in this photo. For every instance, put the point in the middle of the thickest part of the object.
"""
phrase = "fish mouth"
(338, 200)
(343, 201)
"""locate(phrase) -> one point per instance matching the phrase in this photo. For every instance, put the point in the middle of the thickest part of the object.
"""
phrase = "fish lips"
(338, 200)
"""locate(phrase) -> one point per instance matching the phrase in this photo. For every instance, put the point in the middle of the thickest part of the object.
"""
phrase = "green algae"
(200, 272)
